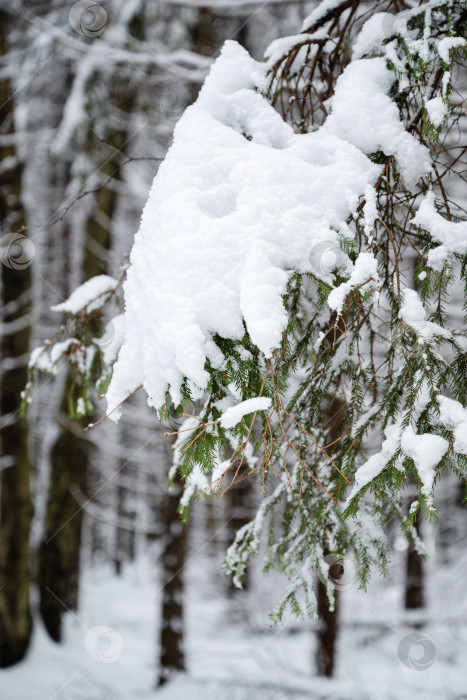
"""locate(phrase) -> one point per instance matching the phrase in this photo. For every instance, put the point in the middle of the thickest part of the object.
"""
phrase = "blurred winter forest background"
(115, 598)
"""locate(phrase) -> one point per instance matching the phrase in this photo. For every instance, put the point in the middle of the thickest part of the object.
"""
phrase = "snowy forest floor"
(233, 653)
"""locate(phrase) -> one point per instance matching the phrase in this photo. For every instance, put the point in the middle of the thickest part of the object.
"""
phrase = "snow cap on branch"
(239, 204)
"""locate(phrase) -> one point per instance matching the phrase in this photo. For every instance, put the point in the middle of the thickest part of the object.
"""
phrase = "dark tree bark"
(328, 619)
(15, 500)
(239, 512)
(327, 634)
(172, 657)
(59, 552)
(414, 588)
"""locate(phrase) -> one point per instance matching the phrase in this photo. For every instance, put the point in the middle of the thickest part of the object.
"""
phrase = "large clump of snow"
(452, 235)
(239, 203)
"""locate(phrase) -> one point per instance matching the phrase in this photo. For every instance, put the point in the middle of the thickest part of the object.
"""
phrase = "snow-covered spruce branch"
(90, 347)
(304, 242)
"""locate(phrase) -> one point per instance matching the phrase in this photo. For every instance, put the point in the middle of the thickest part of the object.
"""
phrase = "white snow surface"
(232, 653)
(448, 43)
(365, 269)
(239, 203)
(413, 313)
(88, 295)
(452, 235)
(375, 464)
(372, 34)
(280, 47)
(40, 359)
(111, 340)
(436, 110)
(234, 415)
(454, 417)
(364, 114)
(319, 12)
(427, 452)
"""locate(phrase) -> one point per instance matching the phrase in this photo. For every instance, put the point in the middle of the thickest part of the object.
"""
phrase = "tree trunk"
(172, 657)
(414, 590)
(59, 551)
(15, 500)
(59, 554)
(239, 512)
(327, 634)
(328, 619)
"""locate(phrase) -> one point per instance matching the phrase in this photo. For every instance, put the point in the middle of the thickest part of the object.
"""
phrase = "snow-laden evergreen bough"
(296, 285)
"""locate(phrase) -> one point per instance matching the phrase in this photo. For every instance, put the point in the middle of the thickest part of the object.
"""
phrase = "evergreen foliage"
(341, 384)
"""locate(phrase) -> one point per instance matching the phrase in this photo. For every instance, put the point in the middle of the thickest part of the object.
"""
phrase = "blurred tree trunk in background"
(325, 658)
(414, 586)
(414, 595)
(327, 633)
(59, 555)
(239, 512)
(59, 552)
(172, 656)
(15, 505)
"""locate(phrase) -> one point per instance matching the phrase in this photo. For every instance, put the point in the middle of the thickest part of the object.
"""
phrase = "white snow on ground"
(111, 644)
(234, 415)
(88, 295)
(241, 202)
